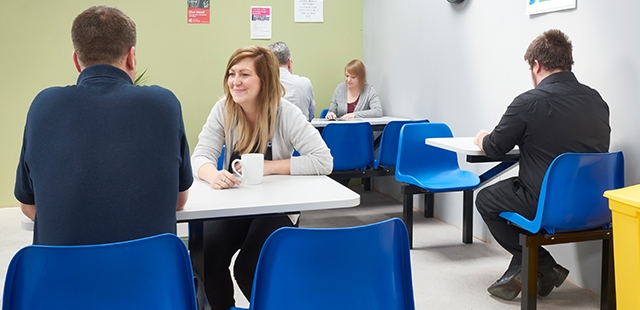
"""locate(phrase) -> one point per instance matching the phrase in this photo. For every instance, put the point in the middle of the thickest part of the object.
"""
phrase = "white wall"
(463, 64)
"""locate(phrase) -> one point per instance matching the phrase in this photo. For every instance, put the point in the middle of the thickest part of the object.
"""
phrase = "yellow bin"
(625, 211)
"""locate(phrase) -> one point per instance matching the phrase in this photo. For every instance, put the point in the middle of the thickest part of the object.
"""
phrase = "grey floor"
(447, 274)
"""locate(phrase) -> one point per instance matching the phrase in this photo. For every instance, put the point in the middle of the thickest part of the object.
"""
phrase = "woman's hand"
(222, 179)
(330, 115)
(348, 116)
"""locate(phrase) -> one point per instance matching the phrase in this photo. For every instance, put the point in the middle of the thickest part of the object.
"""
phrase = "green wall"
(188, 59)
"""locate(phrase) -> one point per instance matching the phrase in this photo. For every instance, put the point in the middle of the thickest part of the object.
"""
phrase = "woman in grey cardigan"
(252, 118)
(354, 98)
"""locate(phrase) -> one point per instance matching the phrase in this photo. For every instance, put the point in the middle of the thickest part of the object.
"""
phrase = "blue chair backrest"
(221, 158)
(148, 273)
(364, 267)
(351, 144)
(323, 113)
(388, 150)
(416, 159)
(571, 194)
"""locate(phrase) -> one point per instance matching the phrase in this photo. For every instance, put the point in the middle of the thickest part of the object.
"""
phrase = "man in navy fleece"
(103, 160)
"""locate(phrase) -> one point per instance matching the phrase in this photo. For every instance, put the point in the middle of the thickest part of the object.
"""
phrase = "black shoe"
(555, 277)
(509, 285)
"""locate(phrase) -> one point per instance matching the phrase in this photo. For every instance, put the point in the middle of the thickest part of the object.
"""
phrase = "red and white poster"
(260, 22)
(198, 11)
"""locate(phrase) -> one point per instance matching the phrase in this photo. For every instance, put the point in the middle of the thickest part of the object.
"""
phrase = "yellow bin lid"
(629, 195)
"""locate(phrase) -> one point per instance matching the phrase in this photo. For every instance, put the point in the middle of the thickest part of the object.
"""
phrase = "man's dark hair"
(552, 49)
(102, 34)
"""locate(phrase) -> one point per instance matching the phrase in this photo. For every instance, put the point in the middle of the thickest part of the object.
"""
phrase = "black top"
(560, 115)
(103, 160)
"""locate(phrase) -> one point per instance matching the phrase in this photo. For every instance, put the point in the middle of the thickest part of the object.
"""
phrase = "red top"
(352, 106)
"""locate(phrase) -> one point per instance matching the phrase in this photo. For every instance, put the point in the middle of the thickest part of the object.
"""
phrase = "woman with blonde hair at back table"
(354, 98)
(252, 118)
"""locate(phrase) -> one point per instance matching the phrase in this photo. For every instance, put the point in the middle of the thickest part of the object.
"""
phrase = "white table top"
(276, 194)
(321, 122)
(462, 145)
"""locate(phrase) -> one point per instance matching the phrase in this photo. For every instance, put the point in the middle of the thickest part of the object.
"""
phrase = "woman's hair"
(271, 90)
(552, 50)
(356, 67)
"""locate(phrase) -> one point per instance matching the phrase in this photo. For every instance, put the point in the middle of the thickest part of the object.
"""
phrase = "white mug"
(252, 168)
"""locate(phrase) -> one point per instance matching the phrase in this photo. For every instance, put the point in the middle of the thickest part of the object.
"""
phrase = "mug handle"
(233, 166)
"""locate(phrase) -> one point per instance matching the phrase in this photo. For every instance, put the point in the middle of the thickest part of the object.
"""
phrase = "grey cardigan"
(368, 104)
(292, 131)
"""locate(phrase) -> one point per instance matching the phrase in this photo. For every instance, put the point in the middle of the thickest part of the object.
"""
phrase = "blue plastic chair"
(148, 273)
(570, 206)
(388, 150)
(428, 169)
(323, 113)
(351, 144)
(364, 267)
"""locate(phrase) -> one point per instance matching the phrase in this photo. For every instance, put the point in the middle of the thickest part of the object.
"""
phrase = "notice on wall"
(546, 6)
(198, 11)
(309, 11)
(260, 22)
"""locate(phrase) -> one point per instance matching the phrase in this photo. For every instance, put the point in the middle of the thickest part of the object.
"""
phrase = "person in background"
(559, 115)
(298, 89)
(251, 118)
(104, 160)
(354, 98)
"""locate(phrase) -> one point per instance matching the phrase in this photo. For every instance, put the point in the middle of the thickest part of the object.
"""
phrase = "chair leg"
(467, 217)
(529, 274)
(429, 200)
(607, 284)
(407, 212)
(366, 182)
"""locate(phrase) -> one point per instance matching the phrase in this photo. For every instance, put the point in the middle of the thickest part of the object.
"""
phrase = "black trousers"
(509, 195)
(222, 239)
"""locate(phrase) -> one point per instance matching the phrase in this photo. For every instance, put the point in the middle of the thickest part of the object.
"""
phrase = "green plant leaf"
(141, 78)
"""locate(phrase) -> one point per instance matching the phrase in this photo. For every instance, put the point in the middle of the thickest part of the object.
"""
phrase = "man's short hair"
(282, 52)
(102, 34)
(552, 49)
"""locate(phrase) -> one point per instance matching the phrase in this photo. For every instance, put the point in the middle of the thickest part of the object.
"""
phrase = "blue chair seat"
(426, 169)
(388, 150)
(323, 113)
(443, 181)
(351, 144)
(571, 194)
(363, 267)
(148, 273)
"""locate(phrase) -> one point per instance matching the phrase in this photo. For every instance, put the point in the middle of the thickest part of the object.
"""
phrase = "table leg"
(196, 241)
(467, 217)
